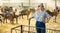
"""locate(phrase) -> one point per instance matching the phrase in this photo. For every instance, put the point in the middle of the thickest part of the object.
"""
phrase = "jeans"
(40, 27)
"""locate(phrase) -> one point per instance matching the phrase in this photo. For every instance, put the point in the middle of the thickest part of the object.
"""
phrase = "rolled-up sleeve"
(35, 15)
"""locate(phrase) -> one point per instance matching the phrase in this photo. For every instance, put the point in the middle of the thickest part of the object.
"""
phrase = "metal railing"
(25, 29)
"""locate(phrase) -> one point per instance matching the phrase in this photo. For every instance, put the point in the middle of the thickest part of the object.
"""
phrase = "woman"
(41, 17)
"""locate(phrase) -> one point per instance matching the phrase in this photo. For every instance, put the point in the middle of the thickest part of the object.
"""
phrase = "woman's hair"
(41, 5)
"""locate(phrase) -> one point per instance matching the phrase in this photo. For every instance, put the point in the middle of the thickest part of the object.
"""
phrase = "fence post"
(29, 26)
(11, 30)
(21, 29)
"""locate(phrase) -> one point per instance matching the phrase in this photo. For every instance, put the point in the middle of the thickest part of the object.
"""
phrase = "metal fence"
(31, 29)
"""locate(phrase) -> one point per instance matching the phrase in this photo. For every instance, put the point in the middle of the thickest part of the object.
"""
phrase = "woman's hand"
(46, 20)
(30, 18)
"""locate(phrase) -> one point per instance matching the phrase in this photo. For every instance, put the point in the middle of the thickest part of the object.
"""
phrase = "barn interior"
(14, 15)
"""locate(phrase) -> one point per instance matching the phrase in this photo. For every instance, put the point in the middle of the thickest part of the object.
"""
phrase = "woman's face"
(40, 8)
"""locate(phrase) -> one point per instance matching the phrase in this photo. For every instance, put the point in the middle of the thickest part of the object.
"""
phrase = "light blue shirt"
(40, 16)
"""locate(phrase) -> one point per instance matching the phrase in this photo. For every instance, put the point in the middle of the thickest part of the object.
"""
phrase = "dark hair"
(41, 5)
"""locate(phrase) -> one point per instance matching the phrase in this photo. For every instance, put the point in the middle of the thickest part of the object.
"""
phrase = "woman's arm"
(31, 18)
(47, 17)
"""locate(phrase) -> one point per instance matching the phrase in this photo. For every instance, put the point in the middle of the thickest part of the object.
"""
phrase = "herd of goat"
(9, 13)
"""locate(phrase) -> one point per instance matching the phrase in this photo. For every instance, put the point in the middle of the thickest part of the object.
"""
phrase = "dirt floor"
(6, 28)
